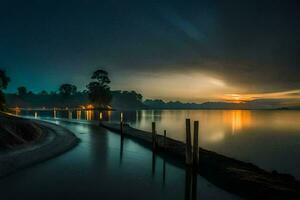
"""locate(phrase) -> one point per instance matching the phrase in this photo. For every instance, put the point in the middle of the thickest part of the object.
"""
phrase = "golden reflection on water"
(109, 114)
(237, 119)
(89, 115)
(214, 124)
(18, 111)
(78, 114)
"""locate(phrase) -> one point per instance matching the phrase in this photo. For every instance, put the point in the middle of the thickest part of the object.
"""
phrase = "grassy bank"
(16, 131)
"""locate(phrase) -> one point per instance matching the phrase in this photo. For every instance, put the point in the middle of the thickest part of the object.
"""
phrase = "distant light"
(90, 106)
(121, 116)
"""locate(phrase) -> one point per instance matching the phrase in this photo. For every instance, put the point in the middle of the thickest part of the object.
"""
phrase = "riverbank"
(244, 179)
(44, 141)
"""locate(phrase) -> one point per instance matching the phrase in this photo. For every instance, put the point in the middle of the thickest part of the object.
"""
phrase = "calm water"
(268, 138)
(103, 166)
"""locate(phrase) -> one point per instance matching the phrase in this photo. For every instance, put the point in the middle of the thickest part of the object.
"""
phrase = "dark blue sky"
(150, 46)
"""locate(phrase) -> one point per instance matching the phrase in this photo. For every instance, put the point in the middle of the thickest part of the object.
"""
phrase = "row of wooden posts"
(191, 149)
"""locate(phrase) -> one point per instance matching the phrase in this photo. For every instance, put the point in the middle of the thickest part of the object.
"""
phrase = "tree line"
(98, 92)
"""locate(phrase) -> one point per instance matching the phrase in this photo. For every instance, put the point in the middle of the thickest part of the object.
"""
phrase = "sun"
(236, 98)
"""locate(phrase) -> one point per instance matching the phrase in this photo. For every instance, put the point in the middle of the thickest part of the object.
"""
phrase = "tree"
(43, 92)
(99, 91)
(4, 80)
(102, 77)
(67, 89)
(22, 91)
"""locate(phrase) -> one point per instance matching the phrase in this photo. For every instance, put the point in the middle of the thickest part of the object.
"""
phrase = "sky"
(192, 51)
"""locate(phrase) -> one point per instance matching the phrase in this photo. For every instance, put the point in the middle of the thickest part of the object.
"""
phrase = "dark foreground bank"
(244, 179)
(25, 142)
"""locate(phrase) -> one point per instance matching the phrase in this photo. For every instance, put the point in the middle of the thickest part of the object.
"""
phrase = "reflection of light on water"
(70, 114)
(237, 119)
(54, 113)
(109, 113)
(78, 114)
(18, 111)
(216, 137)
(89, 115)
(121, 117)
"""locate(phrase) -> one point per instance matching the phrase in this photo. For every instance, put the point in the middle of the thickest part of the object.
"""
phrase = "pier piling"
(195, 143)
(122, 124)
(121, 128)
(153, 136)
(165, 137)
(188, 149)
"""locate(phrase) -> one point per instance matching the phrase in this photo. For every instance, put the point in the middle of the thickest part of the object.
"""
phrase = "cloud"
(251, 47)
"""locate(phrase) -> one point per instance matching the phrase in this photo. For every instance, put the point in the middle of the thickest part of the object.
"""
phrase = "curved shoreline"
(55, 140)
(238, 177)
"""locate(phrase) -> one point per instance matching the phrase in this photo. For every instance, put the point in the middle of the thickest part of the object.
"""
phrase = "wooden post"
(121, 128)
(195, 144)
(121, 124)
(153, 136)
(165, 137)
(188, 148)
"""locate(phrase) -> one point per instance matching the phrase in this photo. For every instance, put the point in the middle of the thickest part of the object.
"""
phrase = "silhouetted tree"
(102, 77)
(4, 80)
(43, 92)
(99, 91)
(67, 90)
(22, 91)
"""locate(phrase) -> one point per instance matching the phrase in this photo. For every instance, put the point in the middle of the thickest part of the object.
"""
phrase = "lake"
(267, 138)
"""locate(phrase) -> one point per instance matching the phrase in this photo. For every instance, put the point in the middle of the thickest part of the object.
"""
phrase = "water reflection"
(70, 115)
(17, 111)
(121, 149)
(54, 113)
(89, 115)
(164, 172)
(215, 125)
(264, 137)
(78, 114)
(153, 163)
(191, 179)
(237, 119)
